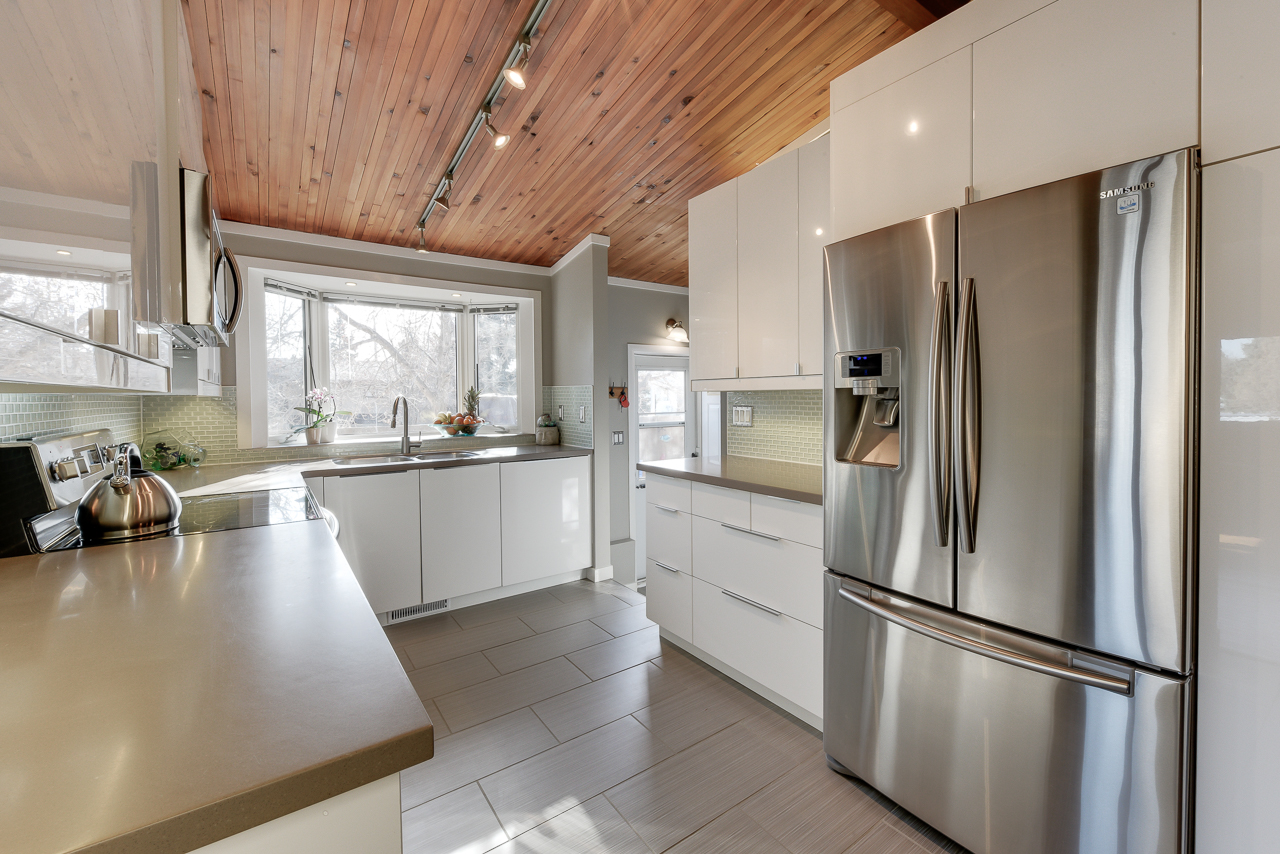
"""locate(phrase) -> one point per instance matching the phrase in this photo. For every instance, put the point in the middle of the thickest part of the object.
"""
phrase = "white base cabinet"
(461, 531)
(546, 518)
(424, 535)
(378, 532)
(738, 578)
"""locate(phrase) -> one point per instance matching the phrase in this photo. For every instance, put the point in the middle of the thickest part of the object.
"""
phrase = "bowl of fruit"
(462, 424)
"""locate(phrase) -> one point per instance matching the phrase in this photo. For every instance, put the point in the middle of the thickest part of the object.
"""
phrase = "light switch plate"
(741, 416)
(618, 437)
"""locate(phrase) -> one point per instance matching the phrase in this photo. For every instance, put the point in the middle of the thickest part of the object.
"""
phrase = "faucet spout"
(395, 407)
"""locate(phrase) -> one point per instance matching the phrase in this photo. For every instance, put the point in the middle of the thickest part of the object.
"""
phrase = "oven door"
(1002, 742)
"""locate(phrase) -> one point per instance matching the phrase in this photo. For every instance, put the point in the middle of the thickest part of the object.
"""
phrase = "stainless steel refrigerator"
(1010, 396)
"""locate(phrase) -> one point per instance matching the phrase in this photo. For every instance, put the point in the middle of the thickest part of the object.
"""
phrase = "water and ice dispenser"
(867, 401)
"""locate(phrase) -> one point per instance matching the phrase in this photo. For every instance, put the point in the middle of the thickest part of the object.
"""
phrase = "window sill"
(299, 440)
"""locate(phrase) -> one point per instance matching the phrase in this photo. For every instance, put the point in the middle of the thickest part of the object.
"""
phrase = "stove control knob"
(67, 469)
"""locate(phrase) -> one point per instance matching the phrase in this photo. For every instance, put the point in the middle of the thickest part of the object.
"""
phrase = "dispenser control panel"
(868, 370)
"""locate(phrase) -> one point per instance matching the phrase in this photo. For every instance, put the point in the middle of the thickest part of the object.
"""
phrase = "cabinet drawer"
(791, 520)
(783, 575)
(722, 504)
(669, 600)
(667, 536)
(781, 653)
(667, 491)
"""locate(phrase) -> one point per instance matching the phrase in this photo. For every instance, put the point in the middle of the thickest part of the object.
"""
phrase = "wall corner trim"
(589, 240)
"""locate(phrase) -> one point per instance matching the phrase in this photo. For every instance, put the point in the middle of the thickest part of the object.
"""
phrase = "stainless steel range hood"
(199, 302)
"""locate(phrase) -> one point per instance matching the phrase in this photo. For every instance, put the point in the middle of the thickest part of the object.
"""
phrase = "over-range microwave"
(198, 297)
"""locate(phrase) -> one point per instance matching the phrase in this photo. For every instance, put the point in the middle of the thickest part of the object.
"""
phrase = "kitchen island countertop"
(794, 481)
(163, 694)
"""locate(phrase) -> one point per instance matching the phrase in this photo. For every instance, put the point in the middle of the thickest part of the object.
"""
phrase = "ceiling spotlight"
(457, 296)
(818, 232)
(913, 128)
(422, 240)
(63, 252)
(351, 284)
(446, 187)
(515, 73)
(677, 332)
(500, 140)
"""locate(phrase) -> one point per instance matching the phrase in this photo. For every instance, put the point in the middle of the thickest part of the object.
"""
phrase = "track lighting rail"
(517, 56)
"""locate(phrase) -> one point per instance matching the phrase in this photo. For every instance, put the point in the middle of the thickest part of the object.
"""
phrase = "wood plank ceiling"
(338, 116)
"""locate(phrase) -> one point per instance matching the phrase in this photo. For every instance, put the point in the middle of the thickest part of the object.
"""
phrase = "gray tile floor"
(563, 724)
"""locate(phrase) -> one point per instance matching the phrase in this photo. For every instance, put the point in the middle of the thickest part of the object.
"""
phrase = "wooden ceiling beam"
(913, 13)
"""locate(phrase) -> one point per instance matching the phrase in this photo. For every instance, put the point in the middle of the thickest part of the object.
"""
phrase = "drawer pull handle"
(749, 531)
(668, 509)
(668, 568)
(751, 602)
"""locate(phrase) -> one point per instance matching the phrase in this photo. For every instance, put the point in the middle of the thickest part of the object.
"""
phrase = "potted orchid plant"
(321, 407)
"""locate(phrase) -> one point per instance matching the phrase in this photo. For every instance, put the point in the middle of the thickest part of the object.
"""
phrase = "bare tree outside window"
(286, 326)
(378, 352)
(497, 353)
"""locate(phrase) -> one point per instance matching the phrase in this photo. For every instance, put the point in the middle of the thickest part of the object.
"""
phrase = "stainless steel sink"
(372, 461)
(447, 455)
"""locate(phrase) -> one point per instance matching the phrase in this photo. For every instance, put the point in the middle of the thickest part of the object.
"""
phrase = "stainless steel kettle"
(131, 504)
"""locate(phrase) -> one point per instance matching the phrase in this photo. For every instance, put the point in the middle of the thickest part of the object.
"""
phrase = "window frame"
(316, 333)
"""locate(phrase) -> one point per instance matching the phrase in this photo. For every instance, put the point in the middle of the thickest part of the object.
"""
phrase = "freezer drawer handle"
(939, 433)
(751, 602)
(668, 509)
(668, 568)
(749, 531)
(1084, 677)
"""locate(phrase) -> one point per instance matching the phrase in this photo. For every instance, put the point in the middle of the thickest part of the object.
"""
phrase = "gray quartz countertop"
(249, 477)
(163, 694)
(796, 481)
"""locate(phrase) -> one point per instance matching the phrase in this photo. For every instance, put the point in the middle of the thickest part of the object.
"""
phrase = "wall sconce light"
(677, 332)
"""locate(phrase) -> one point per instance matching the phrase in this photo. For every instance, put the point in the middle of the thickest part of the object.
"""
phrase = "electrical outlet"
(618, 437)
(741, 416)
(582, 415)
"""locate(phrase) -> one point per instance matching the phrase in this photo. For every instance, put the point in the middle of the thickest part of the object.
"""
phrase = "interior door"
(664, 419)
(1072, 501)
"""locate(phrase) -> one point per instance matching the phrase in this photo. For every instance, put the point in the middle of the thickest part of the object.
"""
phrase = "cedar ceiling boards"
(339, 116)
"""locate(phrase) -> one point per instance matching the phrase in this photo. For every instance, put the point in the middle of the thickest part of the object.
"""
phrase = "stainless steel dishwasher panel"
(1002, 742)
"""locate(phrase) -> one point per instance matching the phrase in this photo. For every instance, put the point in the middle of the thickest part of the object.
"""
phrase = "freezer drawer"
(1003, 743)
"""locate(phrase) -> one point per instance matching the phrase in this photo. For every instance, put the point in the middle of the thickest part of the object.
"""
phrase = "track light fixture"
(500, 140)
(515, 72)
(422, 239)
(442, 197)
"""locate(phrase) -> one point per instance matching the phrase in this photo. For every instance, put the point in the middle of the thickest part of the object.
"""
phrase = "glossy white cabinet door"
(1238, 745)
(461, 531)
(378, 532)
(1241, 76)
(815, 233)
(767, 268)
(713, 283)
(546, 518)
(904, 151)
(669, 600)
(1082, 85)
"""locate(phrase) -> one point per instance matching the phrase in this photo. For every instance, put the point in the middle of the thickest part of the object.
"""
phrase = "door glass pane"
(378, 352)
(496, 354)
(286, 362)
(661, 396)
(661, 443)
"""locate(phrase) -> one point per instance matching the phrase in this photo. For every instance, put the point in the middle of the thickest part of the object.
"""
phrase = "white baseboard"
(598, 573)
(744, 680)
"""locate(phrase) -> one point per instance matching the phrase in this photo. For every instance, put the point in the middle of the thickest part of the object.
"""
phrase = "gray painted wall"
(572, 304)
(635, 317)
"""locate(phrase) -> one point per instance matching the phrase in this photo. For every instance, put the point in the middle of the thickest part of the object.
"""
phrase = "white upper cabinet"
(768, 198)
(1241, 76)
(713, 283)
(903, 151)
(1082, 85)
(815, 233)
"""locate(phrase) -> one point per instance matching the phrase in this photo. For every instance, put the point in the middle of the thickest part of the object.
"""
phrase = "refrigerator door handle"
(966, 418)
(1084, 677)
(939, 429)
